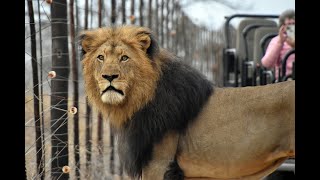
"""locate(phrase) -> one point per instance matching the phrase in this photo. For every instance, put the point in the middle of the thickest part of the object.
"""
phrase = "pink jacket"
(275, 53)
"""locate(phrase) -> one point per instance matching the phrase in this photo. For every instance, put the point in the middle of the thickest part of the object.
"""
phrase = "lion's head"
(120, 69)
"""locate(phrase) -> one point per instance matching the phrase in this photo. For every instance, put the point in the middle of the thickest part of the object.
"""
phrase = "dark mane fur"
(180, 95)
(153, 50)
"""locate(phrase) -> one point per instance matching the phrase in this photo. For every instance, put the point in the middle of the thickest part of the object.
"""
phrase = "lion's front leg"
(162, 158)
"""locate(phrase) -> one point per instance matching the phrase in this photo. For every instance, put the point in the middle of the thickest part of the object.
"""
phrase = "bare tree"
(113, 11)
(100, 134)
(41, 91)
(86, 12)
(59, 89)
(91, 14)
(113, 20)
(161, 24)
(34, 63)
(88, 136)
(77, 21)
(112, 151)
(167, 23)
(183, 34)
(100, 138)
(150, 14)
(141, 12)
(132, 16)
(75, 89)
(172, 31)
(99, 13)
(88, 108)
(123, 9)
(178, 28)
(100, 119)
(157, 18)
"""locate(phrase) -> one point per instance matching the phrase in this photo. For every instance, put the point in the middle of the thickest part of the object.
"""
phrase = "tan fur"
(241, 133)
(163, 154)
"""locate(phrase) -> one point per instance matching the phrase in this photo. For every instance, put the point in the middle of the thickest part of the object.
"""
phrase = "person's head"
(287, 17)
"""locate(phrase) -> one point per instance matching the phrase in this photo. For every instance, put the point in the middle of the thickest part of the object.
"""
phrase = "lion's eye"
(100, 57)
(124, 58)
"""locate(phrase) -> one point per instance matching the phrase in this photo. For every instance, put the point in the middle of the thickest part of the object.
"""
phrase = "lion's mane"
(181, 92)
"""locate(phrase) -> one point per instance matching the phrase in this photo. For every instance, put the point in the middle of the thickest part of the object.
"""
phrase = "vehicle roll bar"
(229, 18)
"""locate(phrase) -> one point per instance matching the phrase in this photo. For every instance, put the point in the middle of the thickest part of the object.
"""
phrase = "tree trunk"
(41, 92)
(150, 14)
(100, 134)
(172, 31)
(39, 140)
(177, 20)
(112, 151)
(157, 19)
(59, 89)
(123, 10)
(88, 110)
(113, 20)
(113, 11)
(161, 24)
(141, 12)
(91, 14)
(86, 12)
(183, 34)
(99, 13)
(75, 90)
(167, 24)
(132, 16)
(77, 25)
(88, 138)
(100, 120)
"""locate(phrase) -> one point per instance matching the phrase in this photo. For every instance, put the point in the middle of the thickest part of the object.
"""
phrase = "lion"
(172, 123)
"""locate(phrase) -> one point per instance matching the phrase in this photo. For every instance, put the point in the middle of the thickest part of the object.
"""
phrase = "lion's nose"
(110, 77)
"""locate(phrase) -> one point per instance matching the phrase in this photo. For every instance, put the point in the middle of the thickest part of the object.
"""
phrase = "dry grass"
(99, 164)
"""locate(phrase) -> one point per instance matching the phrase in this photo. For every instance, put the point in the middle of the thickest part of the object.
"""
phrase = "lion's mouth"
(111, 88)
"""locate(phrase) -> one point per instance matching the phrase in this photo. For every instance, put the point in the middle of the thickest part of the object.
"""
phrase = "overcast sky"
(211, 14)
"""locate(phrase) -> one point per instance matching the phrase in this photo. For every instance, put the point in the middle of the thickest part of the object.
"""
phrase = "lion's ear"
(148, 43)
(144, 40)
(86, 41)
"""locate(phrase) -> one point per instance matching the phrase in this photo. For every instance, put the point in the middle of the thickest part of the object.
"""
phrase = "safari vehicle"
(242, 59)
(242, 56)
